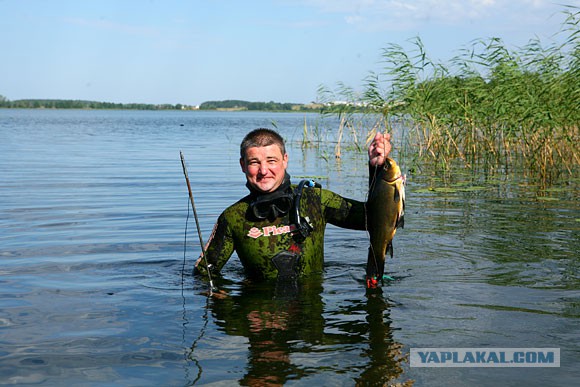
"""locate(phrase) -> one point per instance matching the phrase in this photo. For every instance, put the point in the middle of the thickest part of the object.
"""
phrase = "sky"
(191, 51)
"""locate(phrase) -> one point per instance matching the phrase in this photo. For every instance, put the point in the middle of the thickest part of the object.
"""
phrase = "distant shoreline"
(227, 105)
(169, 110)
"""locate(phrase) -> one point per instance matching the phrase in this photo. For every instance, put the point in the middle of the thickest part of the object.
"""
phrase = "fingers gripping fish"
(385, 209)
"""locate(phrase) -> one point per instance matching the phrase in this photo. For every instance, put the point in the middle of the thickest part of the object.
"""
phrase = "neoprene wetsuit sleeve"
(343, 212)
(219, 248)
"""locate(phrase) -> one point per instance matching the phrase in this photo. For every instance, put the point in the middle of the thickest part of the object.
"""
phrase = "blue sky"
(170, 51)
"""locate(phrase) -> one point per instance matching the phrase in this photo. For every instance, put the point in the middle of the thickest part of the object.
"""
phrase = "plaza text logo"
(485, 357)
(267, 231)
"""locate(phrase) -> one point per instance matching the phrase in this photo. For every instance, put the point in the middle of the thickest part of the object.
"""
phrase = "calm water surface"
(95, 284)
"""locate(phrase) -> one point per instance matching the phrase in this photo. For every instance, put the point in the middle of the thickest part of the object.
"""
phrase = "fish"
(385, 213)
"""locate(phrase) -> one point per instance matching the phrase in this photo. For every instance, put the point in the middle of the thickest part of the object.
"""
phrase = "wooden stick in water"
(196, 222)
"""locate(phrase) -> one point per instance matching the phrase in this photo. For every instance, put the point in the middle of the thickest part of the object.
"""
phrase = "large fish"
(385, 209)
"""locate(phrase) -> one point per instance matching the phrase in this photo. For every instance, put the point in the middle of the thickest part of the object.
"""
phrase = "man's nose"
(263, 168)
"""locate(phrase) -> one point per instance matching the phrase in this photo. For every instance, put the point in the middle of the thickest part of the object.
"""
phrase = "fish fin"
(390, 249)
(401, 222)
(401, 219)
(397, 196)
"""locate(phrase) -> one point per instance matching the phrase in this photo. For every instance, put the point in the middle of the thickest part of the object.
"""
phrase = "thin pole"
(196, 221)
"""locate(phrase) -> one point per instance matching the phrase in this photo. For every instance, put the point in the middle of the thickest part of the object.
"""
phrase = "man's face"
(265, 167)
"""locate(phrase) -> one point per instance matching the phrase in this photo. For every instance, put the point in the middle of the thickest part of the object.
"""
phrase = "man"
(278, 229)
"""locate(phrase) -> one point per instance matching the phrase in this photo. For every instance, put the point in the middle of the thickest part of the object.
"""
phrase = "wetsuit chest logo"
(268, 231)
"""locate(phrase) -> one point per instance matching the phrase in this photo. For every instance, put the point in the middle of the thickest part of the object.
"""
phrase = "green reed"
(489, 107)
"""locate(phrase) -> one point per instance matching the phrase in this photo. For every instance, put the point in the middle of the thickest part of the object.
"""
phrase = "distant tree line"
(209, 105)
(78, 104)
(234, 104)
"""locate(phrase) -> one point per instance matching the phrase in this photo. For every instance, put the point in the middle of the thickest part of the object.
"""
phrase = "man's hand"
(379, 149)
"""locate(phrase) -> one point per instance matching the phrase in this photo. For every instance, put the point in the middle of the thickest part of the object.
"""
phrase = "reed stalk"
(488, 107)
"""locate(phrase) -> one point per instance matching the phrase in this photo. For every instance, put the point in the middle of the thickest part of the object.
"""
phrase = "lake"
(98, 242)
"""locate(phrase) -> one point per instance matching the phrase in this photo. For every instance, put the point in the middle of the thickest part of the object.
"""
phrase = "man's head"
(263, 159)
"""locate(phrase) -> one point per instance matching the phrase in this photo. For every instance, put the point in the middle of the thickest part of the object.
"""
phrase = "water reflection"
(289, 338)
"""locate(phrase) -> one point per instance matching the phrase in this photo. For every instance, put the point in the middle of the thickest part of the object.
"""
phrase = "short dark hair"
(261, 137)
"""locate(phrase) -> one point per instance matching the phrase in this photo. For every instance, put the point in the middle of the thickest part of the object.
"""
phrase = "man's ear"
(242, 164)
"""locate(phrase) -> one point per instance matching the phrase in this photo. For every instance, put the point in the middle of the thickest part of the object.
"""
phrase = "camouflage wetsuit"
(256, 241)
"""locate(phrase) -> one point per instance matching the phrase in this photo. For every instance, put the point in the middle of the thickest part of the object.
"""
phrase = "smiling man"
(265, 167)
(277, 230)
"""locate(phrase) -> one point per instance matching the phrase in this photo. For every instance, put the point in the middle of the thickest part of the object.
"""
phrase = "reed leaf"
(490, 106)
